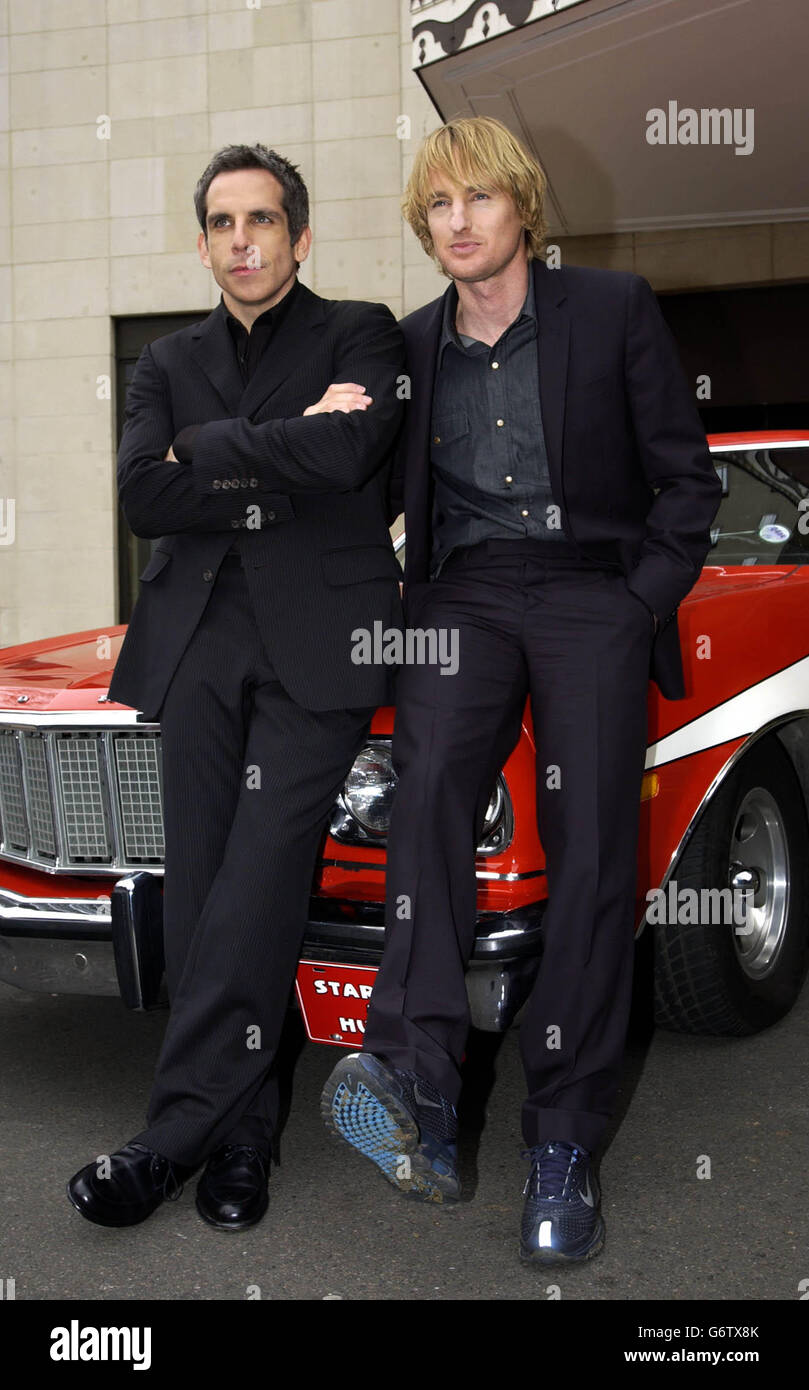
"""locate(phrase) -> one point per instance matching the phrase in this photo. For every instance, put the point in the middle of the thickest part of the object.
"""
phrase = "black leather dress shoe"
(232, 1192)
(127, 1189)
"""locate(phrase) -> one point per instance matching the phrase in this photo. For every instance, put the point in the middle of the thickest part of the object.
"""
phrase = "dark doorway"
(754, 346)
(131, 336)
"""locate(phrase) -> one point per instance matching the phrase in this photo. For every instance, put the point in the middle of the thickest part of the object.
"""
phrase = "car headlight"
(369, 787)
(362, 812)
(498, 823)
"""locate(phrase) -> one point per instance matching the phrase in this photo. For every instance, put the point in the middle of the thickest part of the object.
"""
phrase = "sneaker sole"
(358, 1109)
(546, 1256)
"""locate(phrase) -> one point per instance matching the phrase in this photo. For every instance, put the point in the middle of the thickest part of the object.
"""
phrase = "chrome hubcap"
(758, 869)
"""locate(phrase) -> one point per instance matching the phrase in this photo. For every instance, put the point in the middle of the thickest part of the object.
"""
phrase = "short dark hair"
(294, 197)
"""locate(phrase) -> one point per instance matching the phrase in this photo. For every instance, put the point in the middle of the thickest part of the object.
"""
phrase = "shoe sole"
(546, 1256)
(358, 1109)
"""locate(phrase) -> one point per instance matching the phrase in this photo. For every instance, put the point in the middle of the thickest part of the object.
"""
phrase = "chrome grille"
(12, 797)
(86, 799)
(86, 827)
(40, 807)
(139, 794)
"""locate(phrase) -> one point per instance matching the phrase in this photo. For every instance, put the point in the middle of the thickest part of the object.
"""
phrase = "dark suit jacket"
(321, 563)
(629, 463)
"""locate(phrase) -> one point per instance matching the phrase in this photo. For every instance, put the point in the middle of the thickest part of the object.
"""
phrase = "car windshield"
(760, 520)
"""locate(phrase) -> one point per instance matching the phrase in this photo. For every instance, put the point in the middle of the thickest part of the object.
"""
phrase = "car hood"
(59, 673)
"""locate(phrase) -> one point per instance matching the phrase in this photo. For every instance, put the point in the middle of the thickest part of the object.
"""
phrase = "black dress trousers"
(249, 780)
(573, 636)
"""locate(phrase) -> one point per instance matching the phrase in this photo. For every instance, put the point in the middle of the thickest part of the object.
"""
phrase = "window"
(759, 515)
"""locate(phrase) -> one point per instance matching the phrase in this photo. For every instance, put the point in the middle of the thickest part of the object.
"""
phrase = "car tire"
(724, 977)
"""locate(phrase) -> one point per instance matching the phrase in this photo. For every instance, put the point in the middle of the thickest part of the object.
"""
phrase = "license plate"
(334, 1001)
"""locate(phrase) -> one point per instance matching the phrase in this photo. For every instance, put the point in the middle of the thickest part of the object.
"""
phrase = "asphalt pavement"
(74, 1083)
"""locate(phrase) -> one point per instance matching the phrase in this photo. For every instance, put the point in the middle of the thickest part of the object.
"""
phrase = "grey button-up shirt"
(487, 451)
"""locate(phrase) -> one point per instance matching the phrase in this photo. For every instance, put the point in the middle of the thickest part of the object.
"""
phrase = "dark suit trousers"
(249, 780)
(574, 637)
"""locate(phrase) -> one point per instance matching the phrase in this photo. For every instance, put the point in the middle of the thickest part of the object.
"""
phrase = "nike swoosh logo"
(588, 1196)
(422, 1100)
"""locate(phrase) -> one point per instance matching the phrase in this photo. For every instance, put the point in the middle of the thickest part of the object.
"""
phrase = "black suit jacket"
(628, 459)
(320, 563)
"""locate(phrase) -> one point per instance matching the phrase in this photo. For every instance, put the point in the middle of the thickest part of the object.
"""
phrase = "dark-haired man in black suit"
(255, 447)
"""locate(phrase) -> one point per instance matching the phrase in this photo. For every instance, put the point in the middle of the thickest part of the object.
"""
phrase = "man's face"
(248, 247)
(476, 231)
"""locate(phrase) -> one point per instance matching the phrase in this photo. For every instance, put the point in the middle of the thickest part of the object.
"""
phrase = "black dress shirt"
(488, 455)
(248, 349)
(250, 346)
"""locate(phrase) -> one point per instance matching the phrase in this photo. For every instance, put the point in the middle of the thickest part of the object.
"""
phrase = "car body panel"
(745, 641)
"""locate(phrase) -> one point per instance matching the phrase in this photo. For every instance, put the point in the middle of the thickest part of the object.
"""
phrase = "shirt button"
(234, 482)
(501, 422)
(436, 439)
(225, 482)
(509, 478)
(217, 483)
(242, 482)
(523, 513)
(254, 482)
(207, 576)
(495, 365)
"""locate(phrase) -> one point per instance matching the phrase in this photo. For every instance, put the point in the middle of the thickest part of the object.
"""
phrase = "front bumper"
(112, 945)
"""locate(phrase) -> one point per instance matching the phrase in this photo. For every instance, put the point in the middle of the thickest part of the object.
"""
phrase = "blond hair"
(480, 152)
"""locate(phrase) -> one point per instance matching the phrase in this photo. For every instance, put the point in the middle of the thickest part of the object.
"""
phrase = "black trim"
(358, 936)
(358, 865)
(57, 931)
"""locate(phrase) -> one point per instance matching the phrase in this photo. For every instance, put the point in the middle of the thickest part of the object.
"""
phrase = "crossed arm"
(334, 446)
(343, 395)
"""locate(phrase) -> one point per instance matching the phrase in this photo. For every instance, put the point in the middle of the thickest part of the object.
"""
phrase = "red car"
(723, 863)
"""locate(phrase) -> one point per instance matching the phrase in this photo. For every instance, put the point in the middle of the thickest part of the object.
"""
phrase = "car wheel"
(738, 976)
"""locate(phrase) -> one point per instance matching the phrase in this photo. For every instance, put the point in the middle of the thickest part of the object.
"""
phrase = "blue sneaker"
(561, 1219)
(398, 1120)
